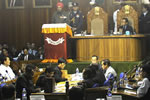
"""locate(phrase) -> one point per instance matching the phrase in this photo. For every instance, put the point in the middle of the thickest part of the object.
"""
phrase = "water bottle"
(137, 74)
(109, 94)
(77, 71)
(67, 87)
(125, 80)
(121, 82)
(115, 86)
(24, 94)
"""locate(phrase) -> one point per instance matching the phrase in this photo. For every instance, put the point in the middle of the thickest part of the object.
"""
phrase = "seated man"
(57, 70)
(125, 28)
(95, 61)
(88, 78)
(6, 71)
(45, 81)
(25, 55)
(8, 92)
(25, 81)
(99, 77)
(108, 70)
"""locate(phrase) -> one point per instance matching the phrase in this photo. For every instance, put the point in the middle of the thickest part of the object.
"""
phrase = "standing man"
(144, 20)
(76, 19)
(60, 16)
(57, 70)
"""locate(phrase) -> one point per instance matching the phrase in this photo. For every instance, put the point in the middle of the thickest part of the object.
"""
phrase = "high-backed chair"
(97, 21)
(129, 12)
(93, 93)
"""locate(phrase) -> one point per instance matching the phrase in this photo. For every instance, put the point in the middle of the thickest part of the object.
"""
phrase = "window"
(42, 3)
(14, 4)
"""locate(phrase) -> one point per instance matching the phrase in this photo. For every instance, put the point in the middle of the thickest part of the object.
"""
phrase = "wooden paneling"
(18, 26)
(115, 48)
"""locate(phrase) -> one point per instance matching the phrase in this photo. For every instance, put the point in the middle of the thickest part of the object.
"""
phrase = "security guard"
(76, 19)
(60, 16)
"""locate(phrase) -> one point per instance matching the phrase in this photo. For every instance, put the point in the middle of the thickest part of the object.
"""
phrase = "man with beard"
(60, 16)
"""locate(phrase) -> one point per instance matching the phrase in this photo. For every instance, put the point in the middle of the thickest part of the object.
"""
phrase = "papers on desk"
(129, 91)
(128, 87)
(77, 77)
(60, 87)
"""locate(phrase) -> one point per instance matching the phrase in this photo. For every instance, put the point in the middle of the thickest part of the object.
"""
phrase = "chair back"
(97, 21)
(129, 12)
(37, 97)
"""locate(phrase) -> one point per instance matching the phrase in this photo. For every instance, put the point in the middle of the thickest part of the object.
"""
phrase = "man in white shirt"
(5, 71)
(106, 66)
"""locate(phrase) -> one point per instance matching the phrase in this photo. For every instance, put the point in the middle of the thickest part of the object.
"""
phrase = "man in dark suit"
(144, 20)
(25, 55)
(57, 70)
(76, 19)
(125, 28)
(25, 81)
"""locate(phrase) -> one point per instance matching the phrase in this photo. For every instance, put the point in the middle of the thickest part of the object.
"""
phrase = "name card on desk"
(37, 97)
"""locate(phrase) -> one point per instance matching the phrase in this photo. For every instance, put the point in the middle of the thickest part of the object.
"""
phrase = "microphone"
(132, 71)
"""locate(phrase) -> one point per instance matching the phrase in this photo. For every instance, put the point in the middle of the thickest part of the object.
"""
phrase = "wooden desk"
(101, 92)
(115, 48)
(53, 96)
(126, 95)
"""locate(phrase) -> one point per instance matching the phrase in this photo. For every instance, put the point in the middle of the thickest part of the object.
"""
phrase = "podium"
(56, 40)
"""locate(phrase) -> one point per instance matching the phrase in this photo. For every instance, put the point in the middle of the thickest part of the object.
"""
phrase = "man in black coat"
(25, 55)
(144, 20)
(25, 81)
(57, 70)
(99, 78)
(125, 27)
(76, 19)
